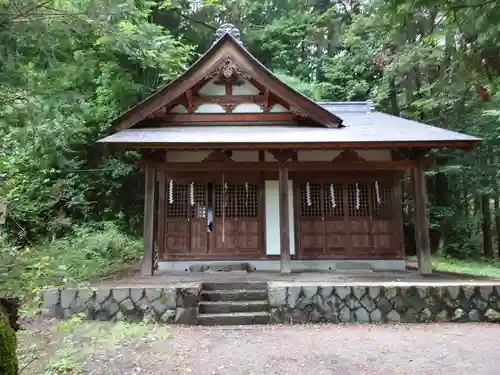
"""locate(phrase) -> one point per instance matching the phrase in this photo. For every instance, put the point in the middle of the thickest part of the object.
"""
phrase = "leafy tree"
(67, 69)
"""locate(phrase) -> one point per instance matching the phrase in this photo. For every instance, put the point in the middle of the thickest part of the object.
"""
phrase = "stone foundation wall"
(388, 303)
(176, 304)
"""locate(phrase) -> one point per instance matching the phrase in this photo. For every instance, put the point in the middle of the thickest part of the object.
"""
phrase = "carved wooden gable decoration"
(226, 84)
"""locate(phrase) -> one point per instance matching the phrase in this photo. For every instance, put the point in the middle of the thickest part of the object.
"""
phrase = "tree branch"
(42, 4)
(345, 9)
(476, 5)
(179, 12)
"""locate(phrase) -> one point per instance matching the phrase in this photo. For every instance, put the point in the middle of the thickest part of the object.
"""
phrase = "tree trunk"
(393, 97)
(8, 343)
(487, 235)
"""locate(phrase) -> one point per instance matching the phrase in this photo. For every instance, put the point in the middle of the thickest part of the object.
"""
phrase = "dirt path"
(285, 350)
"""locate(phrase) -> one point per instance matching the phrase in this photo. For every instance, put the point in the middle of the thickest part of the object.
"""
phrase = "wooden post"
(398, 214)
(284, 220)
(162, 181)
(421, 222)
(149, 204)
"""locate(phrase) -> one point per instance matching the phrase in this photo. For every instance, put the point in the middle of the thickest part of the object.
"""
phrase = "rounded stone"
(442, 316)
(127, 305)
(67, 297)
(492, 315)
(120, 294)
(393, 316)
(474, 315)
(376, 316)
(383, 304)
(362, 316)
(425, 315)
(168, 316)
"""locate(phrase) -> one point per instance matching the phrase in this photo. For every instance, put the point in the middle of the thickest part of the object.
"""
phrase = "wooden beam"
(137, 145)
(421, 221)
(284, 220)
(291, 165)
(149, 204)
(229, 117)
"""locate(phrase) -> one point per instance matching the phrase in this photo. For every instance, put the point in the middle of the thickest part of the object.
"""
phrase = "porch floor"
(357, 277)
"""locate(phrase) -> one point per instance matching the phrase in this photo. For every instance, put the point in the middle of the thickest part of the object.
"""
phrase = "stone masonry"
(291, 303)
(176, 304)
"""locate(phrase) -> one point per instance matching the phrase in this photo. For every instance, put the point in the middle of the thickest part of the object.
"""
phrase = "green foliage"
(88, 252)
(63, 78)
(70, 344)
(473, 267)
(8, 344)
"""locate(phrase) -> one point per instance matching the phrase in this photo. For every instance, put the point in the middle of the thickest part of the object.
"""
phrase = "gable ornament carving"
(227, 69)
(348, 156)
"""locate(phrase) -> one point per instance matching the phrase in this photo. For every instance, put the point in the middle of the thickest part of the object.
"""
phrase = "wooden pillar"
(398, 214)
(284, 220)
(149, 205)
(421, 222)
(162, 192)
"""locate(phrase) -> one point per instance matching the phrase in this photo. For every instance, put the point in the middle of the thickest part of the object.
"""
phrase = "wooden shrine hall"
(239, 167)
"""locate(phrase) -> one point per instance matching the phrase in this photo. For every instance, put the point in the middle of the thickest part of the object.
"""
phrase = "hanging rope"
(377, 192)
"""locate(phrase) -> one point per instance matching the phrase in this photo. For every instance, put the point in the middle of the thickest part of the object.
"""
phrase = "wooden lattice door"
(352, 220)
(334, 218)
(311, 220)
(384, 222)
(358, 219)
(321, 220)
(186, 220)
(236, 221)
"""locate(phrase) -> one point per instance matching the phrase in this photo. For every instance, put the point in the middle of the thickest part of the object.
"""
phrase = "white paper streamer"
(191, 193)
(358, 200)
(171, 191)
(308, 194)
(332, 195)
(246, 195)
(377, 192)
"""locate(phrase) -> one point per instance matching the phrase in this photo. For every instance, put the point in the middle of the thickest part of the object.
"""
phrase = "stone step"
(234, 295)
(225, 307)
(240, 318)
(242, 285)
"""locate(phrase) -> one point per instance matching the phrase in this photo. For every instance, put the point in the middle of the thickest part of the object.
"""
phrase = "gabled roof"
(226, 47)
(362, 127)
(327, 124)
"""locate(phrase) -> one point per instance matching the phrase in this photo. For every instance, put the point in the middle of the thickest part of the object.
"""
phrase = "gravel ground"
(300, 350)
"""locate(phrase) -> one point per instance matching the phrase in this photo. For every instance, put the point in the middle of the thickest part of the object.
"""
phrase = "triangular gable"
(255, 86)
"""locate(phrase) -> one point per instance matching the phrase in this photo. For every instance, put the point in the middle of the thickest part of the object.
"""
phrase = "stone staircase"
(233, 303)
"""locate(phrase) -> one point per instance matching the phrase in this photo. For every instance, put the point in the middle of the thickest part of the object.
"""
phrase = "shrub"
(90, 252)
